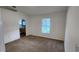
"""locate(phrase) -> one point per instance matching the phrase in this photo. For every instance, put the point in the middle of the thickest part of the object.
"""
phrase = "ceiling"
(38, 10)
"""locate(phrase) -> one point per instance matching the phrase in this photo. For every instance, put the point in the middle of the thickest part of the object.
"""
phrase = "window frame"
(48, 25)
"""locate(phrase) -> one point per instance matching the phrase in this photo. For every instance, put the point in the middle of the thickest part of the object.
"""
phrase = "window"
(22, 23)
(46, 25)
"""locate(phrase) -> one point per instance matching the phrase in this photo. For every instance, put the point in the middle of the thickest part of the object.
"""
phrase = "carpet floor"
(35, 44)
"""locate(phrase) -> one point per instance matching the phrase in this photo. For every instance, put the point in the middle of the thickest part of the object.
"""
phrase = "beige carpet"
(35, 44)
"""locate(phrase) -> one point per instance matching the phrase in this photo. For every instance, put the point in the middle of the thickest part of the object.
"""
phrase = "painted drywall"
(57, 31)
(11, 24)
(2, 45)
(72, 30)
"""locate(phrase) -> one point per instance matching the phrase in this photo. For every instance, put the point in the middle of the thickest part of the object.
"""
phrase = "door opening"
(22, 28)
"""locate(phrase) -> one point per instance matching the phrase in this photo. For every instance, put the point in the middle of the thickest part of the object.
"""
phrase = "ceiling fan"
(12, 8)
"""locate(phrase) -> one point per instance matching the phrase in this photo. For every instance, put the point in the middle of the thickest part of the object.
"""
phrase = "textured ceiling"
(38, 10)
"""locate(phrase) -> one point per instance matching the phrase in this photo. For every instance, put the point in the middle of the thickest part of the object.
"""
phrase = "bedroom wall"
(72, 30)
(57, 31)
(11, 24)
(2, 45)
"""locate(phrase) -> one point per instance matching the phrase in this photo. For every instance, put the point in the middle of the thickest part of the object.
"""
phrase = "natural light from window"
(46, 25)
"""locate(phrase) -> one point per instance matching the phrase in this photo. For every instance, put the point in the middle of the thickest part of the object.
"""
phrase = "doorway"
(22, 28)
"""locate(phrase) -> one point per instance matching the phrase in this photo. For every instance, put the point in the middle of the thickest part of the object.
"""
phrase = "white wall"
(72, 30)
(58, 21)
(11, 24)
(2, 46)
